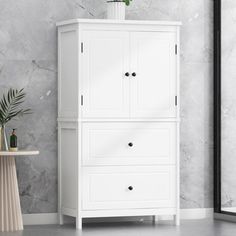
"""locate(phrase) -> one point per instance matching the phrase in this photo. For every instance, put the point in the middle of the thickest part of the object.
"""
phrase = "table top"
(19, 153)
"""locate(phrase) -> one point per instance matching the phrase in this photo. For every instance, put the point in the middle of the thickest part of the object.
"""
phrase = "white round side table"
(10, 210)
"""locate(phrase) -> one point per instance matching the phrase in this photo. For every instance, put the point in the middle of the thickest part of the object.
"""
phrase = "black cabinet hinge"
(176, 101)
(176, 49)
(82, 100)
(82, 47)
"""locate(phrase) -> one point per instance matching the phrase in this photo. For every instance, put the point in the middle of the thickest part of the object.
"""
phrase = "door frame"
(218, 213)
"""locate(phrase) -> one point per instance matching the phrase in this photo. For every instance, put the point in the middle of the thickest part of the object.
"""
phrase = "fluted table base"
(10, 210)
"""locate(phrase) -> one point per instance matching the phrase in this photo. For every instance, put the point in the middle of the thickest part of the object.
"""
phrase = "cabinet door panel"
(105, 86)
(153, 89)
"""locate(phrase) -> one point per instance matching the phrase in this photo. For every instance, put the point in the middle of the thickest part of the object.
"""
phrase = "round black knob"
(133, 74)
(131, 144)
(130, 188)
(127, 74)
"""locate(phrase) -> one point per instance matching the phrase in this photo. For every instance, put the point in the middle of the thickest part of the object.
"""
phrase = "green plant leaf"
(10, 105)
(127, 2)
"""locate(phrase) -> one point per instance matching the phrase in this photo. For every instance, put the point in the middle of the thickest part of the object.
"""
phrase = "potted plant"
(9, 109)
(116, 9)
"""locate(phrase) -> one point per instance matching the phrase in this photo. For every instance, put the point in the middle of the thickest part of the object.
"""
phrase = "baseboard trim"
(52, 218)
(40, 219)
(197, 213)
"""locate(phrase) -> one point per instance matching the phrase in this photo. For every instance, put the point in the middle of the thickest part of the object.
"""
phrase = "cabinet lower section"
(101, 175)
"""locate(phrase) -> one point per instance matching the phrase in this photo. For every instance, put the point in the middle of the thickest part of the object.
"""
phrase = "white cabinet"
(118, 118)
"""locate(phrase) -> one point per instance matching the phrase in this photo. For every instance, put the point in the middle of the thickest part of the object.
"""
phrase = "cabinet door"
(153, 60)
(104, 84)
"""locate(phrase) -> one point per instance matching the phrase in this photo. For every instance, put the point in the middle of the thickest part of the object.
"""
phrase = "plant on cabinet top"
(127, 2)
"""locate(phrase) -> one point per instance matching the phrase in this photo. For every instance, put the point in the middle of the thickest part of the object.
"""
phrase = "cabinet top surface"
(18, 153)
(124, 22)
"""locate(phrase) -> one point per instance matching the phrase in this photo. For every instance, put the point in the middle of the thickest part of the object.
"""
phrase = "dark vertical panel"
(217, 106)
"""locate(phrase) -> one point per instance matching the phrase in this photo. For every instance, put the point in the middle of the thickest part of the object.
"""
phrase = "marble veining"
(28, 55)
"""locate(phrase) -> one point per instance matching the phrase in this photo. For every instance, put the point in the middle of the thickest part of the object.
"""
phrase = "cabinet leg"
(61, 219)
(78, 223)
(177, 220)
(155, 219)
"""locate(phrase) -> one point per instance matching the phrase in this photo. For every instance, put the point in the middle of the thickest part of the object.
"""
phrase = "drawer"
(139, 143)
(128, 187)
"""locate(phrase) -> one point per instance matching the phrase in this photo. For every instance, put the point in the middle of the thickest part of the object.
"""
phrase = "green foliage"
(127, 2)
(10, 105)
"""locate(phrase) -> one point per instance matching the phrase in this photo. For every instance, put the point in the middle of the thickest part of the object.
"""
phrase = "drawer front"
(129, 144)
(128, 187)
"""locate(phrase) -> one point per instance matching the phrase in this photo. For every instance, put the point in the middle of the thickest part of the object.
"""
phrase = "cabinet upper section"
(113, 70)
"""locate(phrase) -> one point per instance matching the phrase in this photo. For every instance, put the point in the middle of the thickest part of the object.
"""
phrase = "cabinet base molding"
(128, 212)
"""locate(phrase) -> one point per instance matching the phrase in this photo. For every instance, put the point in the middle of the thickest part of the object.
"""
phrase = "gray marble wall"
(28, 59)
